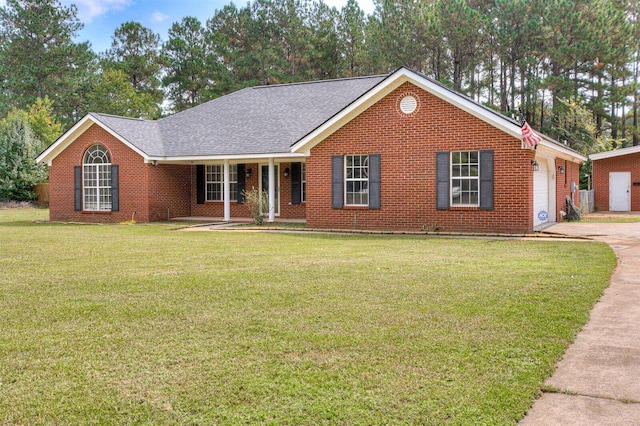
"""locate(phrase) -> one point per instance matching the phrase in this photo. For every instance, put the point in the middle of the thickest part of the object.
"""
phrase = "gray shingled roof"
(255, 120)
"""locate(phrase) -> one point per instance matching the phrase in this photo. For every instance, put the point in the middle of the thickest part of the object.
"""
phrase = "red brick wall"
(216, 208)
(563, 185)
(147, 190)
(408, 146)
(169, 191)
(601, 170)
(288, 210)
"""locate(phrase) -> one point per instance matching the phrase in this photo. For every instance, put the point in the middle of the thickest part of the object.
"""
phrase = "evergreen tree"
(190, 66)
(135, 50)
(18, 149)
(39, 57)
(351, 34)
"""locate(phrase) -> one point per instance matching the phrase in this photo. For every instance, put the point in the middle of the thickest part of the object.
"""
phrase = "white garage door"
(541, 194)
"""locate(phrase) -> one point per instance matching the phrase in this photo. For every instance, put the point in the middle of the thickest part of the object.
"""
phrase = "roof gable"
(110, 126)
(388, 85)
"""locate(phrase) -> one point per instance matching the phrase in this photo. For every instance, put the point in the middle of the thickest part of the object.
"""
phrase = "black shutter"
(374, 181)
(77, 188)
(115, 188)
(296, 183)
(336, 182)
(486, 180)
(241, 183)
(442, 180)
(200, 187)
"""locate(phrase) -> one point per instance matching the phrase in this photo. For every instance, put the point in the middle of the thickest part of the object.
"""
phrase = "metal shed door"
(620, 191)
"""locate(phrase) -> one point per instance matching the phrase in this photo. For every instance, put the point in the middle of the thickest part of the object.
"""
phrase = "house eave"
(565, 153)
(203, 159)
(615, 153)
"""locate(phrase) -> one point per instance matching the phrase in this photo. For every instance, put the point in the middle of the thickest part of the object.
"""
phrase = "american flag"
(530, 138)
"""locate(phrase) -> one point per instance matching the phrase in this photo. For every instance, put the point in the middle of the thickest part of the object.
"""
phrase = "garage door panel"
(541, 194)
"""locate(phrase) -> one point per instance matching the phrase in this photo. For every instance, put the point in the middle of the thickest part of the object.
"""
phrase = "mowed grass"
(114, 324)
(609, 219)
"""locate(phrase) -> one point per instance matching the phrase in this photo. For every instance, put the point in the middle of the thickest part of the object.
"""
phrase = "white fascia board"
(615, 153)
(391, 83)
(193, 159)
(74, 133)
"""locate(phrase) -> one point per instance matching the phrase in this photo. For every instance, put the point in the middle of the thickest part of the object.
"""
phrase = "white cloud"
(158, 16)
(90, 9)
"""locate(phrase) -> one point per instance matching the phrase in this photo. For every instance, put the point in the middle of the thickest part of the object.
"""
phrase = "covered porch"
(215, 187)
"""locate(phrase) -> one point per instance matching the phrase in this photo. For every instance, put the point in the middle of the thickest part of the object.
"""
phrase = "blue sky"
(102, 17)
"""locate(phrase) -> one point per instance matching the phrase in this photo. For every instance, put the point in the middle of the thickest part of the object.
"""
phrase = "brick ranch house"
(397, 151)
(616, 179)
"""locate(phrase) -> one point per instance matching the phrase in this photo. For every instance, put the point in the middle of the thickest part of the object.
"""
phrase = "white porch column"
(227, 191)
(272, 191)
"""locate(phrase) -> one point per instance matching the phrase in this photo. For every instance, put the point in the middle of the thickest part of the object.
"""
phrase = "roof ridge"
(330, 80)
(98, 114)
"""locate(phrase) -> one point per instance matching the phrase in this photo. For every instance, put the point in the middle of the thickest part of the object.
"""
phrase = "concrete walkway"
(598, 379)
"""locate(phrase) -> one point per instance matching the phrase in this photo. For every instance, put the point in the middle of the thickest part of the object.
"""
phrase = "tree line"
(568, 67)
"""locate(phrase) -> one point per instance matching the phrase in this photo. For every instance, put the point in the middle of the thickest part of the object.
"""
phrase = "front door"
(264, 184)
(619, 191)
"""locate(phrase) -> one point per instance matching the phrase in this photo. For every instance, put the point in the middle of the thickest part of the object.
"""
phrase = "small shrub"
(257, 203)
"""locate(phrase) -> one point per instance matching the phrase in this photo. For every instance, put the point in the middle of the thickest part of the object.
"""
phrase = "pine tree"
(189, 64)
(39, 57)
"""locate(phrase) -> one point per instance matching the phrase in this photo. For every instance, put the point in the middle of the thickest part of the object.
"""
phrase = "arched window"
(96, 179)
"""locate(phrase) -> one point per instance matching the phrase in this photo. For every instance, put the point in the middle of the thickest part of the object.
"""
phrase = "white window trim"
(303, 183)
(451, 179)
(233, 172)
(346, 180)
(94, 170)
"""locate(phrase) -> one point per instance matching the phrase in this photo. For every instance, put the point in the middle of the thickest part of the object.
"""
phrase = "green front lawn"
(115, 324)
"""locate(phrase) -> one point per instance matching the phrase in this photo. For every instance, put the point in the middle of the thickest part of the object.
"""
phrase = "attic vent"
(408, 104)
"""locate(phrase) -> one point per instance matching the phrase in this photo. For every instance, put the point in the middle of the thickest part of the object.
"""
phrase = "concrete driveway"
(598, 379)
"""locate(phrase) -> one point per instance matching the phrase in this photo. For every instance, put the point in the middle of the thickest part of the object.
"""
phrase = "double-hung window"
(96, 179)
(215, 182)
(356, 180)
(465, 178)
